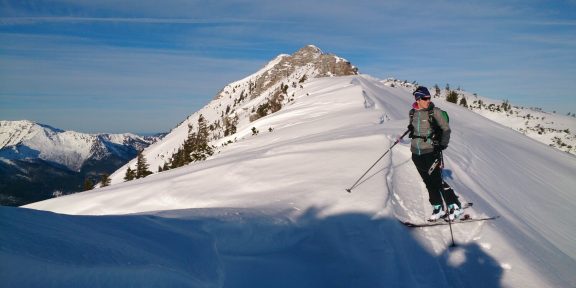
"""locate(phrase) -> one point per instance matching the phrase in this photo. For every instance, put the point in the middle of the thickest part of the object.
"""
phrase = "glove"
(438, 148)
(411, 129)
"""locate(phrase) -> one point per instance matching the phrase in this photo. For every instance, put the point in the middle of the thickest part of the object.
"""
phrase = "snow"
(271, 210)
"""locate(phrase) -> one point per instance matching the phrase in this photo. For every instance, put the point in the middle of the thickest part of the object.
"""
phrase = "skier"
(430, 133)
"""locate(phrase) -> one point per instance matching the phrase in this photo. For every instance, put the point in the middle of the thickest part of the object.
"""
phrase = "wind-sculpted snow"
(228, 247)
(271, 210)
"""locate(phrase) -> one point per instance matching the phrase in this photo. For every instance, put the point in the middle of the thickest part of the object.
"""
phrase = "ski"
(466, 219)
(467, 205)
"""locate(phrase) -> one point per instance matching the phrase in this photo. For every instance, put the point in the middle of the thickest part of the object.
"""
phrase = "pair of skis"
(445, 221)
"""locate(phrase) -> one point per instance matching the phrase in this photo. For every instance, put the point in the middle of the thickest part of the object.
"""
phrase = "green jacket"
(422, 142)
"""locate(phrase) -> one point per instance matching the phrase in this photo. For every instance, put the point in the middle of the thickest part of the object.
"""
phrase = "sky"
(143, 66)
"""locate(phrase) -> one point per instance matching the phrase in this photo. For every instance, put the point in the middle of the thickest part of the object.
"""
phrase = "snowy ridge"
(272, 206)
(237, 102)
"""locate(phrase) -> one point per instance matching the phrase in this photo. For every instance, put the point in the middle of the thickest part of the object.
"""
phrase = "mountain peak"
(308, 62)
(309, 49)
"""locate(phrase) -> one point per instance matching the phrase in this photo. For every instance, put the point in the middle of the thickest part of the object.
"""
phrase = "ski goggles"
(419, 95)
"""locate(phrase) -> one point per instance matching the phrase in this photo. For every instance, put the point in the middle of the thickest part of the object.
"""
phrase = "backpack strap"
(436, 130)
(412, 111)
(432, 120)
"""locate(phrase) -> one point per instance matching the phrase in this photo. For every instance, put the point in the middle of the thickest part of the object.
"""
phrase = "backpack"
(437, 132)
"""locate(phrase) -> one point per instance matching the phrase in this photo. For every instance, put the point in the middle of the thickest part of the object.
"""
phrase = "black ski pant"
(437, 188)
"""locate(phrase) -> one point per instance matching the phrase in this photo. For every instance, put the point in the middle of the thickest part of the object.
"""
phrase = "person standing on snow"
(430, 135)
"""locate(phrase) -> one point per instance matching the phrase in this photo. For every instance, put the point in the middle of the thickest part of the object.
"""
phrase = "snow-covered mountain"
(37, 160)
(242, 102)
(29, 140)
(270, 208)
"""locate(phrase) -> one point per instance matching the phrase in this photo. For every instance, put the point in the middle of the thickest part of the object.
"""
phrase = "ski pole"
(349, 190)
(441, 162)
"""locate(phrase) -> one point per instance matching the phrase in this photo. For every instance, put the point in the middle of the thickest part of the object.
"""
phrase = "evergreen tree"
(452, 97)
(464, 102)
(203, 132)
(88, 184)
(141, 166)
(104, 180)
(506, 106)
(195, 147)
(130, 174)
(436, 91)
(201, 149)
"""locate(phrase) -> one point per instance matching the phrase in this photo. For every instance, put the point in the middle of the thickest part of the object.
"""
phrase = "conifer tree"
(436, 91)
(452, 97)
(130, 174)
(88, 184)
(195, 148)
(201, 149)
(464, 102)
(203, 132)
(104, 180)
(141, 166)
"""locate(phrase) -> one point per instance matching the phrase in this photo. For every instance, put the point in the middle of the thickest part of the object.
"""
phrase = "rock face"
(309, 61)
(271, 88)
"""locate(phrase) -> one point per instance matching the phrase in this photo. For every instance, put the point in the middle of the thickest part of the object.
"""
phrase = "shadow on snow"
(228, 247)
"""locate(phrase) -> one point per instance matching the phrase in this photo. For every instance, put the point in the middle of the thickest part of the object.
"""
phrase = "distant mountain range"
(38, 161)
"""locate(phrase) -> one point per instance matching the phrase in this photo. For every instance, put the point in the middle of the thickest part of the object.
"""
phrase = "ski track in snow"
(271, 211)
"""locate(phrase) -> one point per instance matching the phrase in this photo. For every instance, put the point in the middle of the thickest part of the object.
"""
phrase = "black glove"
(438, 148)
(411, 129)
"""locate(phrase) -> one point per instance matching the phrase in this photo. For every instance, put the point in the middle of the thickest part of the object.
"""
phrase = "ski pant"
(437, 188)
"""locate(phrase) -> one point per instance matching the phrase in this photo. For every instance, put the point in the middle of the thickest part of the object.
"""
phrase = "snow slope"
(270, 210)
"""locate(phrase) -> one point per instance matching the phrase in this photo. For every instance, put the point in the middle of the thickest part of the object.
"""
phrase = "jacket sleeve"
(444, 126)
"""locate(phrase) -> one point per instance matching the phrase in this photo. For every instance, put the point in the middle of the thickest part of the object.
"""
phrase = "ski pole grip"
(404, 134)
(398, 140)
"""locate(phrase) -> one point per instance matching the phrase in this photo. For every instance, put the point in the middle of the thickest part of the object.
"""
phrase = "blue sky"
(143, 66)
